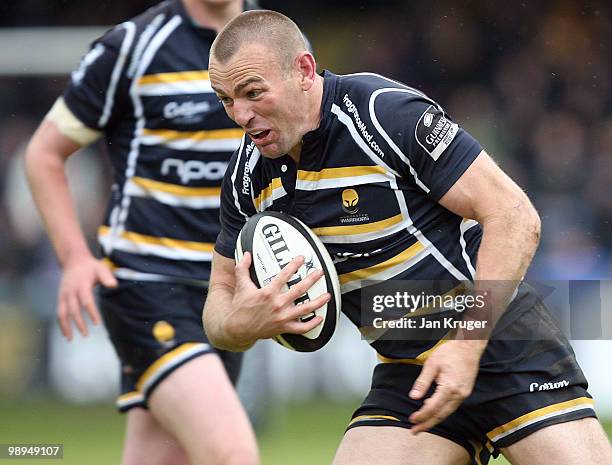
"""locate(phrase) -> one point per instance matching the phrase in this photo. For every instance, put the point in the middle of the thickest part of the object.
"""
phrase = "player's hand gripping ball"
(274, 239)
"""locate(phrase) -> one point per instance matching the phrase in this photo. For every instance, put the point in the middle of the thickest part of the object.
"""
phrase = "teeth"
(256, 133)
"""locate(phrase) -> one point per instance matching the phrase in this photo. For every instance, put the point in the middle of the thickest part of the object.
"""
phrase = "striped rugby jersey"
(145, 85)
(367, 183)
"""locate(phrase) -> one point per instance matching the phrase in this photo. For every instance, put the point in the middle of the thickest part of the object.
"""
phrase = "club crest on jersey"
(350, 199)
(350, 205)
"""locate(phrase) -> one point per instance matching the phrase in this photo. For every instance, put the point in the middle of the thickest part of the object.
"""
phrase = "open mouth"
(259, 135)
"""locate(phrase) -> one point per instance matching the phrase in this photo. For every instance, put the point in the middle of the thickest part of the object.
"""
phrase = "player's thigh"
(389, 445)
(199, 405)
(147, 442)
(578, 442)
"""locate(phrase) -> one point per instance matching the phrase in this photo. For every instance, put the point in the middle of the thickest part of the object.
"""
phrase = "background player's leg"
(579, 442)
(147, 442)
(397, 446)
(199, 405)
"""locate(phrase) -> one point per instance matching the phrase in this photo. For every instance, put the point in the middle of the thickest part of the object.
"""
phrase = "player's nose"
(243, 113)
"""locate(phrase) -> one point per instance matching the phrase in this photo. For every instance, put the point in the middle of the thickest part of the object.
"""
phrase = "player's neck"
(213, 17)
(314, 112)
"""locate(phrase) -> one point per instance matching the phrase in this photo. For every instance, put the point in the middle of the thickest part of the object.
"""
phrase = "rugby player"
(144, 88)
(396, 190)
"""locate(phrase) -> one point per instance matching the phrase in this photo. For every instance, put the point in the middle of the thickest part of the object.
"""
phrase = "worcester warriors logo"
(350, 199)
(164, 333)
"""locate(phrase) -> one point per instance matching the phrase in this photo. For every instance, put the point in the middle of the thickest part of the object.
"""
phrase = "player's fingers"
(433, 412)
(241, 272)
(63, 319)
(106, 277)
(287, 272)
(297, 311)
(423, 382)
(74, 309)
(299, 289)
(87, 300)
(430, 406)
(298, 327)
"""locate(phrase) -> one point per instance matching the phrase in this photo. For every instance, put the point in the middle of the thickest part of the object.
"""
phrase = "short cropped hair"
(270, 28)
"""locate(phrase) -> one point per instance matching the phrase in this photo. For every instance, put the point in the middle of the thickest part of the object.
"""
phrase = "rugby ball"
(274, 239)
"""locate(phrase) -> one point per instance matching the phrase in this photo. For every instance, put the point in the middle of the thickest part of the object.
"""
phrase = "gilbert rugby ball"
(274, 239)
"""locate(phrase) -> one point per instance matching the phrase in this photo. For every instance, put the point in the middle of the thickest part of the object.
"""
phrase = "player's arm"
(45, 160)
(237, 313)
(510, 224)
(511, 231)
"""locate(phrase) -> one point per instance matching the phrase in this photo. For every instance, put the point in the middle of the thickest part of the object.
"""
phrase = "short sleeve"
(431, 149)
(94, 93)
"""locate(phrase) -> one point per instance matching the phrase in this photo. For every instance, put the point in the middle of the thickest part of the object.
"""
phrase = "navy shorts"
(155, 328)
(522, 386)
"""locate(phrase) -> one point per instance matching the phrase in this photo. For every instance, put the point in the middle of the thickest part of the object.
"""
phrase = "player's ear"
(307, 69)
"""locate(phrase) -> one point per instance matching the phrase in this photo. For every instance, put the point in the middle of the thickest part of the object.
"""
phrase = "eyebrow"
(242, 85)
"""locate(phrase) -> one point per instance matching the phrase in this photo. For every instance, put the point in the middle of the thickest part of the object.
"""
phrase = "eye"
(253, 94)
(225, 100)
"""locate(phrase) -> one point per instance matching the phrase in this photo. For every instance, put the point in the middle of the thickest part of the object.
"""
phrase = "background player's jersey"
(145, 85)
(367, 183)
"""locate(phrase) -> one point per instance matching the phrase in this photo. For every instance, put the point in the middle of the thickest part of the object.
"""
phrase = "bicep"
(482, 191)
(49, 141)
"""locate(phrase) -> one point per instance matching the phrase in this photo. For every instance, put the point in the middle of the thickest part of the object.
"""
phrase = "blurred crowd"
(531, 80)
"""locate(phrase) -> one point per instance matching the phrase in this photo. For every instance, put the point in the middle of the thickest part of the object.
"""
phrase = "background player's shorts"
(155, 328)
(522, 386)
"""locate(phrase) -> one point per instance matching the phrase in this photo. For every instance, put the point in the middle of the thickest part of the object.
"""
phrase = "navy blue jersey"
(145, 85)
(368, 183)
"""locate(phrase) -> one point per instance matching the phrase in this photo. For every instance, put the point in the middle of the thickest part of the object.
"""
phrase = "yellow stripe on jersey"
(163, 241)
(365, 273)
(165, 78)
(157, 364)
(182, 191)
(213, 134)
(333, 173)
(359, 228)
(106, 261)
(267, 191)
(539, 414)
(372, 417)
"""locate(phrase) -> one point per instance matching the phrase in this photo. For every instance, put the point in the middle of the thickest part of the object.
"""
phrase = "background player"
(144, 88)
(418, 176)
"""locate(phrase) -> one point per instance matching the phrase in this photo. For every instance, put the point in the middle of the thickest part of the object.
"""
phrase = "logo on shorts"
(548, 386)
(164, 333)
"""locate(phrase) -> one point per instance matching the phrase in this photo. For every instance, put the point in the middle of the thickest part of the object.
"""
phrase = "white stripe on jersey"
(130, 31)
(139, 187)
(233, 179)
(355, 234)
(348, 122)
(187, 143)
(386, 137)
(463, 227)
(339, 182)
(141, 244)
(148, 55)
(445, 262)
(145, 37)
(176, 88)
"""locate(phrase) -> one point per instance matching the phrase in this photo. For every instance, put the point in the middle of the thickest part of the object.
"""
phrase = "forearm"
(216, 319)
(509, 241)
(49, 186)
